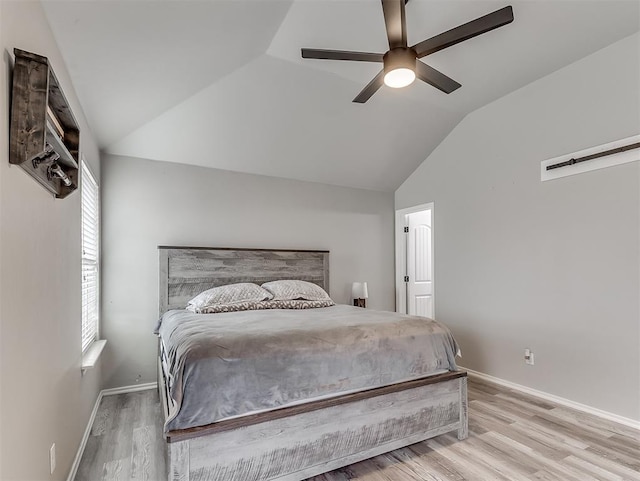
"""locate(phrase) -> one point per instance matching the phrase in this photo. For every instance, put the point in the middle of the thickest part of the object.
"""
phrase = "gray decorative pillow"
(229, 294)
(237, 306)
(293, 289)
(296, 304)
(257, 306)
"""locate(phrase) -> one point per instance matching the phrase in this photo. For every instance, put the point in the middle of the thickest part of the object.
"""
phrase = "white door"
(419, 286)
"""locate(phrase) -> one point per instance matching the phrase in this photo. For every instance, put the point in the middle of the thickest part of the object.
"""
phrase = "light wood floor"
(512, 436)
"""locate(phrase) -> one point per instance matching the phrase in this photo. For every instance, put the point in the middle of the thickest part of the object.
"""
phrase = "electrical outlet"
(52, 457)
(528, 357)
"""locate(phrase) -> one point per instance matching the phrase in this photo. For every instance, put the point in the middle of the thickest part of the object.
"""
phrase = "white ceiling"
(221, 83)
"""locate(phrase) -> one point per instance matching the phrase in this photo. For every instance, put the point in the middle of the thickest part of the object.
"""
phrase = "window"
(90, 255)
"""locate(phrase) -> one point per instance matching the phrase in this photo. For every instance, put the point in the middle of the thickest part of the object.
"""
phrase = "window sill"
(92, 354)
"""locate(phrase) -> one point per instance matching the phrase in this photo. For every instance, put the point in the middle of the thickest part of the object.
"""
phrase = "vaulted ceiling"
(221, 83)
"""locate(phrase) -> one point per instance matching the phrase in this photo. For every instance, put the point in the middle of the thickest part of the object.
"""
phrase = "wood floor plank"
(480, 453)
(141, 453)
(516, 432)
(332, 476)
(469, 468)
(411, 463)
(337, 475)
(545, 433)
(486, 387)
(401, 465)
(122, 437)
(517, 406)
(104, 416)
(513, 436)
(600, 473)
(476, 427)
(436, 462)
(606, 464)
(582, 418)
(544, 463)
(115, 470)
(620, 458)
(490, 413)
(530, 400)
(392, 467)
(609, 459)
(366, 471)
(589, 436)
(500, 412)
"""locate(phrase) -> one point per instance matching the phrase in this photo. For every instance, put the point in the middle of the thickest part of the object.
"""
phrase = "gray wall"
(148, 203)
(550, 266)
(43, 396)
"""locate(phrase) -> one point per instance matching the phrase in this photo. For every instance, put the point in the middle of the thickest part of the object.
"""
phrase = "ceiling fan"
(401, 64)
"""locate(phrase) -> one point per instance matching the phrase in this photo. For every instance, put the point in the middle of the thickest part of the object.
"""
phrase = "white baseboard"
(126, 389)
(87, 431)
(632, 423)
(85, 438)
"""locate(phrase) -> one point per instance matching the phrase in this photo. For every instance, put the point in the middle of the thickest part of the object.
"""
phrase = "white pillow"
(229, 294)
(292, 289)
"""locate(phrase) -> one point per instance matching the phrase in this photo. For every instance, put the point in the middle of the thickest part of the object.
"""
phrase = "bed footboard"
(295, 444)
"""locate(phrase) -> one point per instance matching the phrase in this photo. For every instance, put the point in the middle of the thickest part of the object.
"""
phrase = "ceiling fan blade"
(371, 88)
(396, 22)
(436, 78)
(464, 32)
(341, 55)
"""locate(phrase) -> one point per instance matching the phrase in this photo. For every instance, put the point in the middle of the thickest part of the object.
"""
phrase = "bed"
(286, 436)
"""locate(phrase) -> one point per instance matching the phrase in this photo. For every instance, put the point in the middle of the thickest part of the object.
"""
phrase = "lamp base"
(360, 302)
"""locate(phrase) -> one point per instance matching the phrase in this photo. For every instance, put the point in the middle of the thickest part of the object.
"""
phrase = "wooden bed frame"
(297, 442)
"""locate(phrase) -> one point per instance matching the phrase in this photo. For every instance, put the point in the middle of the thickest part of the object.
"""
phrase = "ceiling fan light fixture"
(399, 67)
(400, 77)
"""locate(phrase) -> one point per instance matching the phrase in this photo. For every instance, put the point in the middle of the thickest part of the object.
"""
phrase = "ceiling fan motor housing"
(400, 57)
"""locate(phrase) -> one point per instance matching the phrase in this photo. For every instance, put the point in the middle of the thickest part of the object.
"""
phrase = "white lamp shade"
(359, 290)
(400, 77)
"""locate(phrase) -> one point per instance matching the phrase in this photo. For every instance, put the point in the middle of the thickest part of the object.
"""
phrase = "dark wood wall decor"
(44, 137)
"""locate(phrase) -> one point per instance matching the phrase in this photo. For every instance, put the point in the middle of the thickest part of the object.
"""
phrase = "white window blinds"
(90, 256)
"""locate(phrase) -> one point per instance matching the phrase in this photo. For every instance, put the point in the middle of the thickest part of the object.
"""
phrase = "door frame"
(401, 254)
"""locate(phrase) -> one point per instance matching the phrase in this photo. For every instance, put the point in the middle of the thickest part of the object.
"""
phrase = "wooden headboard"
(187, 271)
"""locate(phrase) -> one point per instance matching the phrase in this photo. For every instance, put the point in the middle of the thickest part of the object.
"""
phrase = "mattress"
(226, 365)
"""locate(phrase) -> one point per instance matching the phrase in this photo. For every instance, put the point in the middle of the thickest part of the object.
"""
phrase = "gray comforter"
(230, 364)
